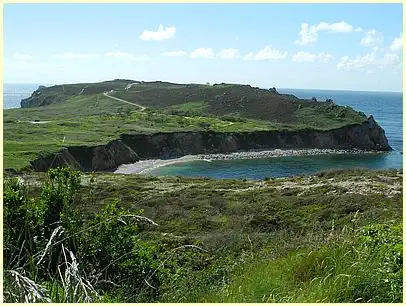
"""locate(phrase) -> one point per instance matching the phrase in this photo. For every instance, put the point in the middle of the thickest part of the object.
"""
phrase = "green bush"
(69, 256)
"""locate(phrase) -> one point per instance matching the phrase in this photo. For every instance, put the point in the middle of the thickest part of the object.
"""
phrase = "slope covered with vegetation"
(218, 99)
(333, 237)
(80, 114)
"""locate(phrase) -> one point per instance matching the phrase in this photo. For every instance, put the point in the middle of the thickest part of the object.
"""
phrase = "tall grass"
(56, 250)
(366, 267)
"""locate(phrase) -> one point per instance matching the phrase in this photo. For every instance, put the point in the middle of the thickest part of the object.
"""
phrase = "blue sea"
(386, 107)
(13, 93)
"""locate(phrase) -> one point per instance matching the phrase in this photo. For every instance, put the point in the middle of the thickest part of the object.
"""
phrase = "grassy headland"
(80, 114)
(73, 237)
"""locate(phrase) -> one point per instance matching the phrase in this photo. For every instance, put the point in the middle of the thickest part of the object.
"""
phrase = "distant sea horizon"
(13, 91)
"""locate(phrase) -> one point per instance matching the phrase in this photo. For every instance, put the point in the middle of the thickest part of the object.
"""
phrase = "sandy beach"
(145, 166)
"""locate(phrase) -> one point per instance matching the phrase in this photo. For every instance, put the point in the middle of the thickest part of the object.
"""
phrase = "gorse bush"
(245, 246)
(67, 256)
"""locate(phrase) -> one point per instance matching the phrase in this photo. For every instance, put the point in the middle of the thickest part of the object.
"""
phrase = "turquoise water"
(385, 107)
(277, 166)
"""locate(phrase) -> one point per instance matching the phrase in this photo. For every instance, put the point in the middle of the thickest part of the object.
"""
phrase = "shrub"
(77, 256)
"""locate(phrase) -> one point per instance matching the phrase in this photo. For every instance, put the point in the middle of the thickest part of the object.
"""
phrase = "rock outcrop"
(133, 147)
(88, 158)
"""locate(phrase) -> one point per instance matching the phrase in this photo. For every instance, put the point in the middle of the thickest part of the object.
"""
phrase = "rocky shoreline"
(131, 148)
(145, 166)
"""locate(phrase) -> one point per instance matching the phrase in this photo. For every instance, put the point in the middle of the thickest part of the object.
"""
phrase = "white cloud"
(229, 54)
(266, 54)
(161, 34)
(309, 34)
(390, 59)
(22, 57)
(126, 55)
(360, 62)
(368, 62)
(71, 55)
(175, 53)
(372, 38)
(397, 44)
(202, 52)
(302, 56)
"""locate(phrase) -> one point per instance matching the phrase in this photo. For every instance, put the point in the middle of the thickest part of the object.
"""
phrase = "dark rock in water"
(130, 148)
(377, 135)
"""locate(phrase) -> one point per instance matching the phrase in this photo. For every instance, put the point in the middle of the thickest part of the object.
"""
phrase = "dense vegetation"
(74, 237)
(79, 114)
(333, 237)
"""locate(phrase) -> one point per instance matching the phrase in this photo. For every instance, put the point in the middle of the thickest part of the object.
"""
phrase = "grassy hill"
(76, 114)
(218, 99)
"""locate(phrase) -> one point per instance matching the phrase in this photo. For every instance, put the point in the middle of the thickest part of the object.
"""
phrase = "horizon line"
(211, 83)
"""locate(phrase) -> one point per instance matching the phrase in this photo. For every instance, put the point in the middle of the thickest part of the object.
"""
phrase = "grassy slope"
(283, 240)
(80, 114)
(242, 100)
(275, 226)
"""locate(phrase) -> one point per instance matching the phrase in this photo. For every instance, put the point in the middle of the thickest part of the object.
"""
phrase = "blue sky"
(320, 46)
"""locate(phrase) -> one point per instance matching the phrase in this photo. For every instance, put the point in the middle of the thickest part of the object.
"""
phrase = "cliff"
(133, 147)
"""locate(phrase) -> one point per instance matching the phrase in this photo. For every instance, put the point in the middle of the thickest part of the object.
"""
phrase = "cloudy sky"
(315, 46)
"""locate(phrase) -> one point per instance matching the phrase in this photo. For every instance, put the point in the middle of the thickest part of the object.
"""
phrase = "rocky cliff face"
(88, 158)
(132, 147)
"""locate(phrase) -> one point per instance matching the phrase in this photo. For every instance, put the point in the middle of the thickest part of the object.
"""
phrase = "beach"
(145, 166)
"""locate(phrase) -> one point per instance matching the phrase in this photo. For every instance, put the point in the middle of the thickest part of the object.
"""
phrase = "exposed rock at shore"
(88, 158)
(133, 147)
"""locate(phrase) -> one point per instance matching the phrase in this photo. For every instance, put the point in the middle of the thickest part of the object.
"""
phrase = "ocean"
(13, 93)
(386, 107)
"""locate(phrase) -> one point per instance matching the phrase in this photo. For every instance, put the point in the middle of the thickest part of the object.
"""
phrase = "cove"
(278, 166)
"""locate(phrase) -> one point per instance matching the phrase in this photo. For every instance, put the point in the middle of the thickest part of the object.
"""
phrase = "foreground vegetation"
(80, 114)
(333, 237)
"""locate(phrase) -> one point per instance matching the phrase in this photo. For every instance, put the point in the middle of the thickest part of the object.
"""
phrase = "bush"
(76, 256)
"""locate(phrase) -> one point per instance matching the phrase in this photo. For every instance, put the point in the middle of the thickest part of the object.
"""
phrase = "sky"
(309, 46)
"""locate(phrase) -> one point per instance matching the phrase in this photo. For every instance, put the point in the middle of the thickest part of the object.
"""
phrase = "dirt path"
(142, 108)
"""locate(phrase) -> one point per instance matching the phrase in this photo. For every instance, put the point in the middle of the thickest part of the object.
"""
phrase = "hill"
(218, 99)
(94, 114)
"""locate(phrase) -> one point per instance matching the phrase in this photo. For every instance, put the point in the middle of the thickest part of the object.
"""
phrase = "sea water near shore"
(14, 92)
(386, 107)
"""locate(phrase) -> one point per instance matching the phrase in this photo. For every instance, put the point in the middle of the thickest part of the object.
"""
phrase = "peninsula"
(99, 126)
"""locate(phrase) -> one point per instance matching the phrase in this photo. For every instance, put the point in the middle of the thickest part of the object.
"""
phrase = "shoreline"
(145, 166)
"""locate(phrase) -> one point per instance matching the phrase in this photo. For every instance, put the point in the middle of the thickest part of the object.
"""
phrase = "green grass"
(263, 241)
(344, 270)
(245, 101)
(95, 119)
(79, 114)
(188, 108)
